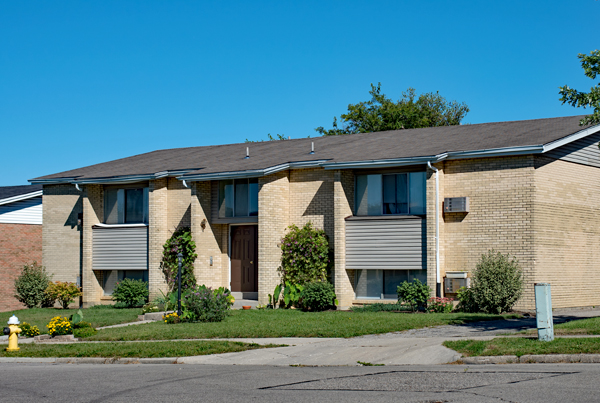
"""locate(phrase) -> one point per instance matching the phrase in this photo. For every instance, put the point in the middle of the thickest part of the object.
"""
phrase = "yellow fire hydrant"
(14, 330)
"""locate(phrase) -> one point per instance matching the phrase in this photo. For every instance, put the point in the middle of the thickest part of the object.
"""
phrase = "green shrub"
(497, 283)
(440, 305)
(414, 294)
(180, 241)
(466, 300)
(30, 286)
(28, 330)
(65, 292)
(379, 308)
(305, 255)
(130, 293)
(83, 329)
(318, 296)
(205, 305)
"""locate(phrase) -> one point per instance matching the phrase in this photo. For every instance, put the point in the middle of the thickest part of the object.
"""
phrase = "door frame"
(229, 249)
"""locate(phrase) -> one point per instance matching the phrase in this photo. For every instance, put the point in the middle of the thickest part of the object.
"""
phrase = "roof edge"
(21, 197)
(571, 138)
(254, 173)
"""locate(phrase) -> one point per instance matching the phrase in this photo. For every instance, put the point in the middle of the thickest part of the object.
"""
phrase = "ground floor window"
(382, 284)
(112, 277)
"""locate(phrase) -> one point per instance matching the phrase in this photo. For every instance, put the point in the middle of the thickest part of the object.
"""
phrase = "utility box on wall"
(456, 205)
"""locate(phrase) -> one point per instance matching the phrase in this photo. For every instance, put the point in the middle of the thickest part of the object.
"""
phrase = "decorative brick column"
(343, 200)
(158, 233)
(273, 219)
(93, 213)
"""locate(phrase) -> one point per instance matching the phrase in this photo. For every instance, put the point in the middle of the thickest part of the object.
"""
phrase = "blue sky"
(83, 82)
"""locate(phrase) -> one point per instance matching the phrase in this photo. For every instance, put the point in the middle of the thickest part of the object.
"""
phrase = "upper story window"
(126, 206)
(380, 194)
(238, 198)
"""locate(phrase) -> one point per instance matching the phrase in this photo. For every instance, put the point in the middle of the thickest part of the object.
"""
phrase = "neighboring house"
(20, 237)
(528, 188)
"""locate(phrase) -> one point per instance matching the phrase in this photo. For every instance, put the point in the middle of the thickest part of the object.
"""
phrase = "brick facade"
(566, 231)
(541, 211)
(20, 244)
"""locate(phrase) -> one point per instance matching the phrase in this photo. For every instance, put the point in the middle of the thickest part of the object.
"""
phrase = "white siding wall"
(22, 212)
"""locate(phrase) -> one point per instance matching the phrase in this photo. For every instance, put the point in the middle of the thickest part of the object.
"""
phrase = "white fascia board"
(255, 173)
(128, 179)
(57, 181)
(380, 163)
(21, 197)
(495, 152)
(570, 138)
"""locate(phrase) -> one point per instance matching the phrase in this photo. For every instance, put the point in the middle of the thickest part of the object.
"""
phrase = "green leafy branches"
(305, 255)
(180, 241)
(382, 113)
(591, 67)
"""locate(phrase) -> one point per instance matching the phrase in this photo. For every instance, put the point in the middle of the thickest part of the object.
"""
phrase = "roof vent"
(247, 153)
(456, 205)
(312, 147)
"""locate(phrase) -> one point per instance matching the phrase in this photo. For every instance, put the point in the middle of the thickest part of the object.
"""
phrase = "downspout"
(438, 289)
(185, 184)
(80, 224)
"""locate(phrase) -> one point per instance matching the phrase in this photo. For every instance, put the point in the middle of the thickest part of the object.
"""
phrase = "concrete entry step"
(245, 295)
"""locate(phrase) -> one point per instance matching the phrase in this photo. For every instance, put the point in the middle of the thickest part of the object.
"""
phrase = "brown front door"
(244, 258)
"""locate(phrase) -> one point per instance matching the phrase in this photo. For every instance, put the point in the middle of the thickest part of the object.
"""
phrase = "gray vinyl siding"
(27, 211)
(386, 244)
(120, 248)
(583, 151)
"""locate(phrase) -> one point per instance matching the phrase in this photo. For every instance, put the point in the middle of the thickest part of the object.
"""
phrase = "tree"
(382, 113)
(591, 68)
(271, 138)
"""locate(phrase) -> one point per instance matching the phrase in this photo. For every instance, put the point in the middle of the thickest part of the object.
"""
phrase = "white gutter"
(438, 291)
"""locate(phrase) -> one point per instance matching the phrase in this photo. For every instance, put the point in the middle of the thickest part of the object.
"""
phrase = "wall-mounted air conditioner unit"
(456, 205)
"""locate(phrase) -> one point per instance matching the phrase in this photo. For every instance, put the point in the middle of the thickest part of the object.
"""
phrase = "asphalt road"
(232, 384)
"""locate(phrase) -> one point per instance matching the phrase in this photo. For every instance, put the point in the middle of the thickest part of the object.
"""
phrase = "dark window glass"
(134, 206)
(253, 197)
(402, 194)
(389, 194)
(226, 198)
(241, 198)
(111, 214)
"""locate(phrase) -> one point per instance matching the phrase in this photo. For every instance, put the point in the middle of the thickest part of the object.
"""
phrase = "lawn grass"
(291, 323)
(97, 317)
(519, 346)
(589, 326)
(138, 350)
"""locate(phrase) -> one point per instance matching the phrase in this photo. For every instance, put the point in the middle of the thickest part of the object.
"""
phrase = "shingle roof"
(12, 191)
(357, 147)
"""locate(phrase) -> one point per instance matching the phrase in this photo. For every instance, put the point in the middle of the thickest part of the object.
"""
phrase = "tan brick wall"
(567, 232)
(273, 219)
(179, 205)
(311, 199)
(501, 196)
(343, 195)
(61, 244)
(158, 233)
(93, 213)
(210, 241)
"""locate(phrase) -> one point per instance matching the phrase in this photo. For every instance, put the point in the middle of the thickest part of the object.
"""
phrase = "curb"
(534, 359)
(89, 360)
